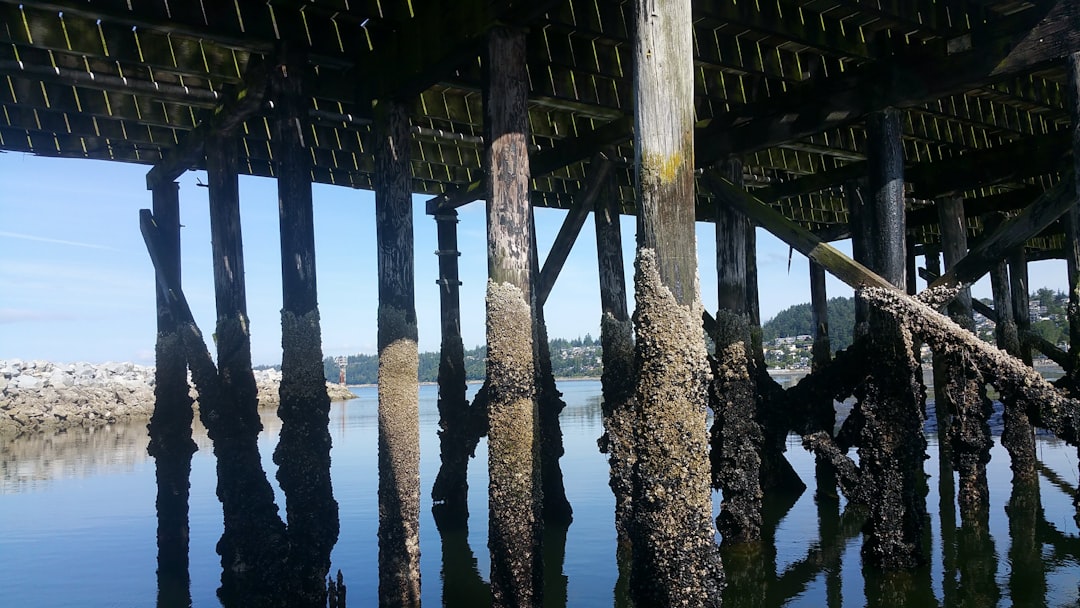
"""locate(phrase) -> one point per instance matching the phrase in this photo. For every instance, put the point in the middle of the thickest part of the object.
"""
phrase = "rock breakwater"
(37, 396)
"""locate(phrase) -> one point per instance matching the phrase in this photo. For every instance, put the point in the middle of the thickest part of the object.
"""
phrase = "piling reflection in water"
(1026, 554)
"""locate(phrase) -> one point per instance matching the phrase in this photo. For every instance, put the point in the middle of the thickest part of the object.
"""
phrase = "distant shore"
(40, 396)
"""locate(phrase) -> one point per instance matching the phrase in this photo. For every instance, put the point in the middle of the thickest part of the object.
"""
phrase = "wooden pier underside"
(784, 85)
(814, 119)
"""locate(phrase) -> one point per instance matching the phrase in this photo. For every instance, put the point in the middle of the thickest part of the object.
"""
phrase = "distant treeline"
(798, 320)
(580, 357)
(575, 358)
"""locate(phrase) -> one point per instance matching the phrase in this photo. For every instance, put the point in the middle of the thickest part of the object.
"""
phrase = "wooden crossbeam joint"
(226, 119)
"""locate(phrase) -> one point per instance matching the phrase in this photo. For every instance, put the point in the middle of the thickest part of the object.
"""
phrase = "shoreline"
(42, 396)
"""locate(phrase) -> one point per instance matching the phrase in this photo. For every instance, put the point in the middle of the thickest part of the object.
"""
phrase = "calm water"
(77, 526)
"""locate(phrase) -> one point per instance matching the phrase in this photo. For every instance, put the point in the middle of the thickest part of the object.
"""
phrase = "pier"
(942, 137)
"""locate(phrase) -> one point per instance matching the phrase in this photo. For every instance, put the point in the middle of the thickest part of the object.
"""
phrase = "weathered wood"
(237, 435)
(170, 443)
(737, 439)
(303, 450)
(1011, 234)
(562, 154)
(821, 409)
(450, 493)
(802, 240)
(731, 248)
(883, 216)
(1072, 224)
(1019, 288)
(571, 227)
(515, 525)
(617, 342)
(960, 390)
(675, 560)
(224, 122)
(819, 311)
(890, 442)
(1027, 337)
(1054, 411)
(991, 52)
(254, 545)
(399, 427)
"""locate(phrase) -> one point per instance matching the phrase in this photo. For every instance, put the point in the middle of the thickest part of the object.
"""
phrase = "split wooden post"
(737, 439)
(399, 423)
(961, 391)
(617, 342)
(514, 524)
(171, 444)
(303, 450)
(451, 490)
(675, 560)
(891, 444)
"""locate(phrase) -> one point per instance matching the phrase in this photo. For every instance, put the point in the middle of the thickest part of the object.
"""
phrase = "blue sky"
(76, 283)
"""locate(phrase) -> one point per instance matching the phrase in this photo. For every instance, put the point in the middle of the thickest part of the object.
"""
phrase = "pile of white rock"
(44, 396)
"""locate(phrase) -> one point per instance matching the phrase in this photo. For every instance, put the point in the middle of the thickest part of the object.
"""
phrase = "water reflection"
(82, 503)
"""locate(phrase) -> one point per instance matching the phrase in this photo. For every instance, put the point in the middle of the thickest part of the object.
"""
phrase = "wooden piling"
(451, 489)
(891, 443)
(1019, 288)
(1072, 226)
(171, 444)
(1018, 435)
(675, 560)
(617, 347)
(303, 450)
(254, 545)
(961, 389)
(555, 509)
(737, 440)
(514, 526)
(823, 411)
(399, 427)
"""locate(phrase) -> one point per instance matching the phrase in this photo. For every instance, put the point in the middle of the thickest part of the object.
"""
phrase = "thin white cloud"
(23, 315)
(42, 239)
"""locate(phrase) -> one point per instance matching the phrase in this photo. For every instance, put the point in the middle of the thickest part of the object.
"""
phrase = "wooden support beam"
(802, 240)
(228, 408)
(1012, 161)
(1052, 409)
(450, 492)
(303, 450)
(399, 426)
(1012, 234)
(563, 153)
(223, 123)
(1007, 162)
(1020, 289)
(616, 339)
(819, 310)
(956, 387)
(1013, 200)
(1007, 46)
(675, 560)
(225, 235)
(1027, 338)
(514, 496)
(1072, 224)
(731, 248)
(571, 227)
(170, 443)
(403, 68)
